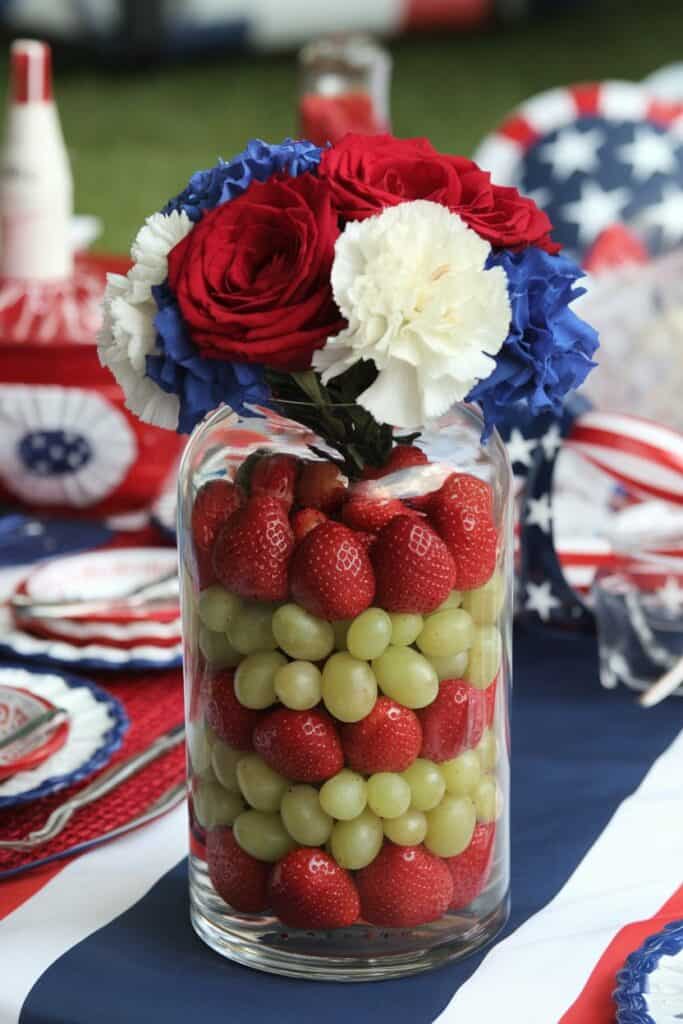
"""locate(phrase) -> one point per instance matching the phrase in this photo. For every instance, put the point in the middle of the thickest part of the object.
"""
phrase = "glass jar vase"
(347, 670)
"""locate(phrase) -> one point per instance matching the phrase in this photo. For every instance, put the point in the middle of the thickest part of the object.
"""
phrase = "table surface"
(578, 753)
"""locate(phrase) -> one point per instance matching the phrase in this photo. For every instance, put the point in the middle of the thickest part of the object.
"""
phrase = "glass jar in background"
(344, 87)
(347, 708)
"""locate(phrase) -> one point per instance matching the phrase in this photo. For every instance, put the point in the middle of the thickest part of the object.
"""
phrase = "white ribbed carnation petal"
(413, 284)
(128, 335)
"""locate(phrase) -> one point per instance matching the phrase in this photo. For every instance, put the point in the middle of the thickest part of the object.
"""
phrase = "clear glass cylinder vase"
(347, 672)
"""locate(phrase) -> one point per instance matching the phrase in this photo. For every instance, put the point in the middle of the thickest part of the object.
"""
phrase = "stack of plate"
(106, 632)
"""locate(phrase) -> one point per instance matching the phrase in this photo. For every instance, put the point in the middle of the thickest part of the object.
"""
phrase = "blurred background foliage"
(135, 135)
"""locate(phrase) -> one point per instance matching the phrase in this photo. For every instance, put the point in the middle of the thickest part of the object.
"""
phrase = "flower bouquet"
(345, 533)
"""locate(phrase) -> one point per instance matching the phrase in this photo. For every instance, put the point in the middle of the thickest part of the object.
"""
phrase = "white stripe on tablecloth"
(535, 975)
(89, 893)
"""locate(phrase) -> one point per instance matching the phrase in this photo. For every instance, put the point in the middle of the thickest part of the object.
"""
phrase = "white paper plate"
(97, 723)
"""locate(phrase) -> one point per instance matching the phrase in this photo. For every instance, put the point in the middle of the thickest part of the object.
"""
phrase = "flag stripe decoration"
(129, 950)
(593, 155)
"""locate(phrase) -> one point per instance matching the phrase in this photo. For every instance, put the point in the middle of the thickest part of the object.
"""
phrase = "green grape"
(217, 649)
(262, 835)
(405, 628)
(224, 763)
(255, 679)
(487, 750)
(302, 635)
(406, 677)
(462, 773)
(485, 655)
(389, 794)
(487, 800)
(427, 784)
(454, 600)
(217, 607)
(340, 629)
(349, 687)
(369, 634)
(356, 843)
(450, 666)
(408, 829)
(344, 796)
(214, 805)
(260, 786)
(446, 633)
(450, 826)
(251, 630)
(299, 685)
(304, 818)
(199, 747)
(485, 603)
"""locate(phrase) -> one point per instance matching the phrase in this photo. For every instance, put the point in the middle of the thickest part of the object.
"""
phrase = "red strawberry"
(227, 717)
(251, 553)
(414, 570)
(308, 889)
(305, 520)
(461, 513)
(301, 745)
(404, 886)
(386, 740)
(490, 702)
(466, 491)
(454, 721)
(365, 539)
(274, 476)
(321, 485)
(214, 504)
(470, 870)
(331, 575)
(371, 514)
(237, 877)
(401, 457)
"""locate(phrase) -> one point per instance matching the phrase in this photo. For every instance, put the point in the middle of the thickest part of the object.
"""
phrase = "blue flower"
(548, 351)
(228, 179)
(200, 384)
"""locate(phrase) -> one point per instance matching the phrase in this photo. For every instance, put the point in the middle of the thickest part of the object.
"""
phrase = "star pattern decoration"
(671, 596)
(667, 216)
(572, 151)
(540, 513)
(595, 209)
(551, 441)
(649, 153)
(540, 599)
(594, 172)
(520, 448)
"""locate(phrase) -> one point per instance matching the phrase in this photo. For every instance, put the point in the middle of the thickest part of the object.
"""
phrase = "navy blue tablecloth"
(578, 751)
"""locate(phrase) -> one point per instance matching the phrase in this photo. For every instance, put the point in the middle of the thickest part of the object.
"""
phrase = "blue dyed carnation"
(548, 351)
(228, 179)
(200, 384)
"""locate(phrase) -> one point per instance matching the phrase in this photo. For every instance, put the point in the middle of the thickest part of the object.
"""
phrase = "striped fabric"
(597, 851)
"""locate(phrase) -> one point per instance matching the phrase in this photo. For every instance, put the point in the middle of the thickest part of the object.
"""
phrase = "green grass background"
(135, 137)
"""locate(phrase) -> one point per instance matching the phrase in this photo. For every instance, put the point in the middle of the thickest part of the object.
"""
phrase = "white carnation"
(412, 284)
(128, 334)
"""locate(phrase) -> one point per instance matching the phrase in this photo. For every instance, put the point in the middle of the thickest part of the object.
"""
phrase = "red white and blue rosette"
(594, 155)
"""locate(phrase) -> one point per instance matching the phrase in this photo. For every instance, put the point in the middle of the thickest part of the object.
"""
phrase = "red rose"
(252, 279)
(366, 174)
